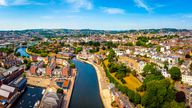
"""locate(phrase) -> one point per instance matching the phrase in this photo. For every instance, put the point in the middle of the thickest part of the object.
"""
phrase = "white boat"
(43, 91)
(36, 104)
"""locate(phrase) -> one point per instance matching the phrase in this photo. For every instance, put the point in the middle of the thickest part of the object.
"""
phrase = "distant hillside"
(82, 32)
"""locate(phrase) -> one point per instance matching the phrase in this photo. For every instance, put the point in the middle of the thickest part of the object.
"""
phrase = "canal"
(86, 90)
(29, 97)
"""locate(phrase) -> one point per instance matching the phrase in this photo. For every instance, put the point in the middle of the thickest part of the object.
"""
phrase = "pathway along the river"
(86, 90)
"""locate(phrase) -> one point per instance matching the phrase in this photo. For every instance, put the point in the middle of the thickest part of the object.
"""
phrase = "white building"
(165, 73)
(187, 78)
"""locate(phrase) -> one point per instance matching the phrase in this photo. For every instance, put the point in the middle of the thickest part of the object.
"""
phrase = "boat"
(43, 91)
(36, 104)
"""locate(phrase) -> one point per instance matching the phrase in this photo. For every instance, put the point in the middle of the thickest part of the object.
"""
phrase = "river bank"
(103, 84)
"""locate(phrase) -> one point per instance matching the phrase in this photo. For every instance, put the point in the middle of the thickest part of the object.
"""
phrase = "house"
(165, 73)
(33, 69)
(34, 58)
(187, 78)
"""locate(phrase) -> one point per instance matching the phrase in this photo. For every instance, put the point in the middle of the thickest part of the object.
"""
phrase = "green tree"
(24, 75)
(158, 48)
(175, 73)
(180, 96)
(72, 65)
(173, 104)
(59, 90)
(157, 93)
(150, 69)
(112, 56)
(190, 67)
(187, 56)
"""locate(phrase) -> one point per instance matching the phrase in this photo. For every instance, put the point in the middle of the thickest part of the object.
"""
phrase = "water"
(29, 97)
(60, 84)
(23, 52)
(86, 90)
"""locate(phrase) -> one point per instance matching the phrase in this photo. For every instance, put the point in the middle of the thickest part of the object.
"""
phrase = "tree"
(17, 54)
(187, 56)
(72, 65)
(158, 48)
(150, 69)
(112, 56)
(24, 75)
(174, 104)
(190, 67)
(122, 71)
(59, 90)
(157, 93)
(180, 61)
(180, 96)
(25, 61)
(137, 98)
(113, 67)
(175, 73)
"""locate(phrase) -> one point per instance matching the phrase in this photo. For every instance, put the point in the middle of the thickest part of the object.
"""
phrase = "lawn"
(131, 81)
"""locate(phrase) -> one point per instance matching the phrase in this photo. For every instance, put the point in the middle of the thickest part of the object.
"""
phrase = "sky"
(95, 14)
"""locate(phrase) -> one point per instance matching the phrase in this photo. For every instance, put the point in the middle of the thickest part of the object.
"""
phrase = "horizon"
(90, 29)
(96, 15)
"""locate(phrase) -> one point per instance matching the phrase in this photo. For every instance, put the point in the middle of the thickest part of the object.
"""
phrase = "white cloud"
(19, 2)
(142, 4)
(3, 3)
(113, 10)
(187, 16)
(80, 4)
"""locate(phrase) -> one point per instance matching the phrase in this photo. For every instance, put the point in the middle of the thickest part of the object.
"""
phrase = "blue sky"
(95, 14)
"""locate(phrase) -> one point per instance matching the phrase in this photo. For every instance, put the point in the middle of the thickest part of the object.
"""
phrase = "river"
(23, 52)
(86, 90)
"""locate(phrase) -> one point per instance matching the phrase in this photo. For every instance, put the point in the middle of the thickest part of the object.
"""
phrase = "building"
(33, 69)
(11, 74)
(33, 58)
(49, 69)
(66, 71)
(187, 78)
(52, 100)
(7, 94)
(66, 84)
(20, 83)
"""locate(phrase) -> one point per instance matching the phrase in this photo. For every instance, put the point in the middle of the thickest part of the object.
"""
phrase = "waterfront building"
(20, 83)
(34, 68)
(11, 74)
(66, 71)
(49, 69)
(52, 100)
(7, 94)
(66, 84)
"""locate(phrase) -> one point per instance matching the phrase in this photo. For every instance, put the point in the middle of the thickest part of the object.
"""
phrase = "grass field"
(131, 81)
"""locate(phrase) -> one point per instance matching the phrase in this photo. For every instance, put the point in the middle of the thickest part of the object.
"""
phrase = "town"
(146, 68)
